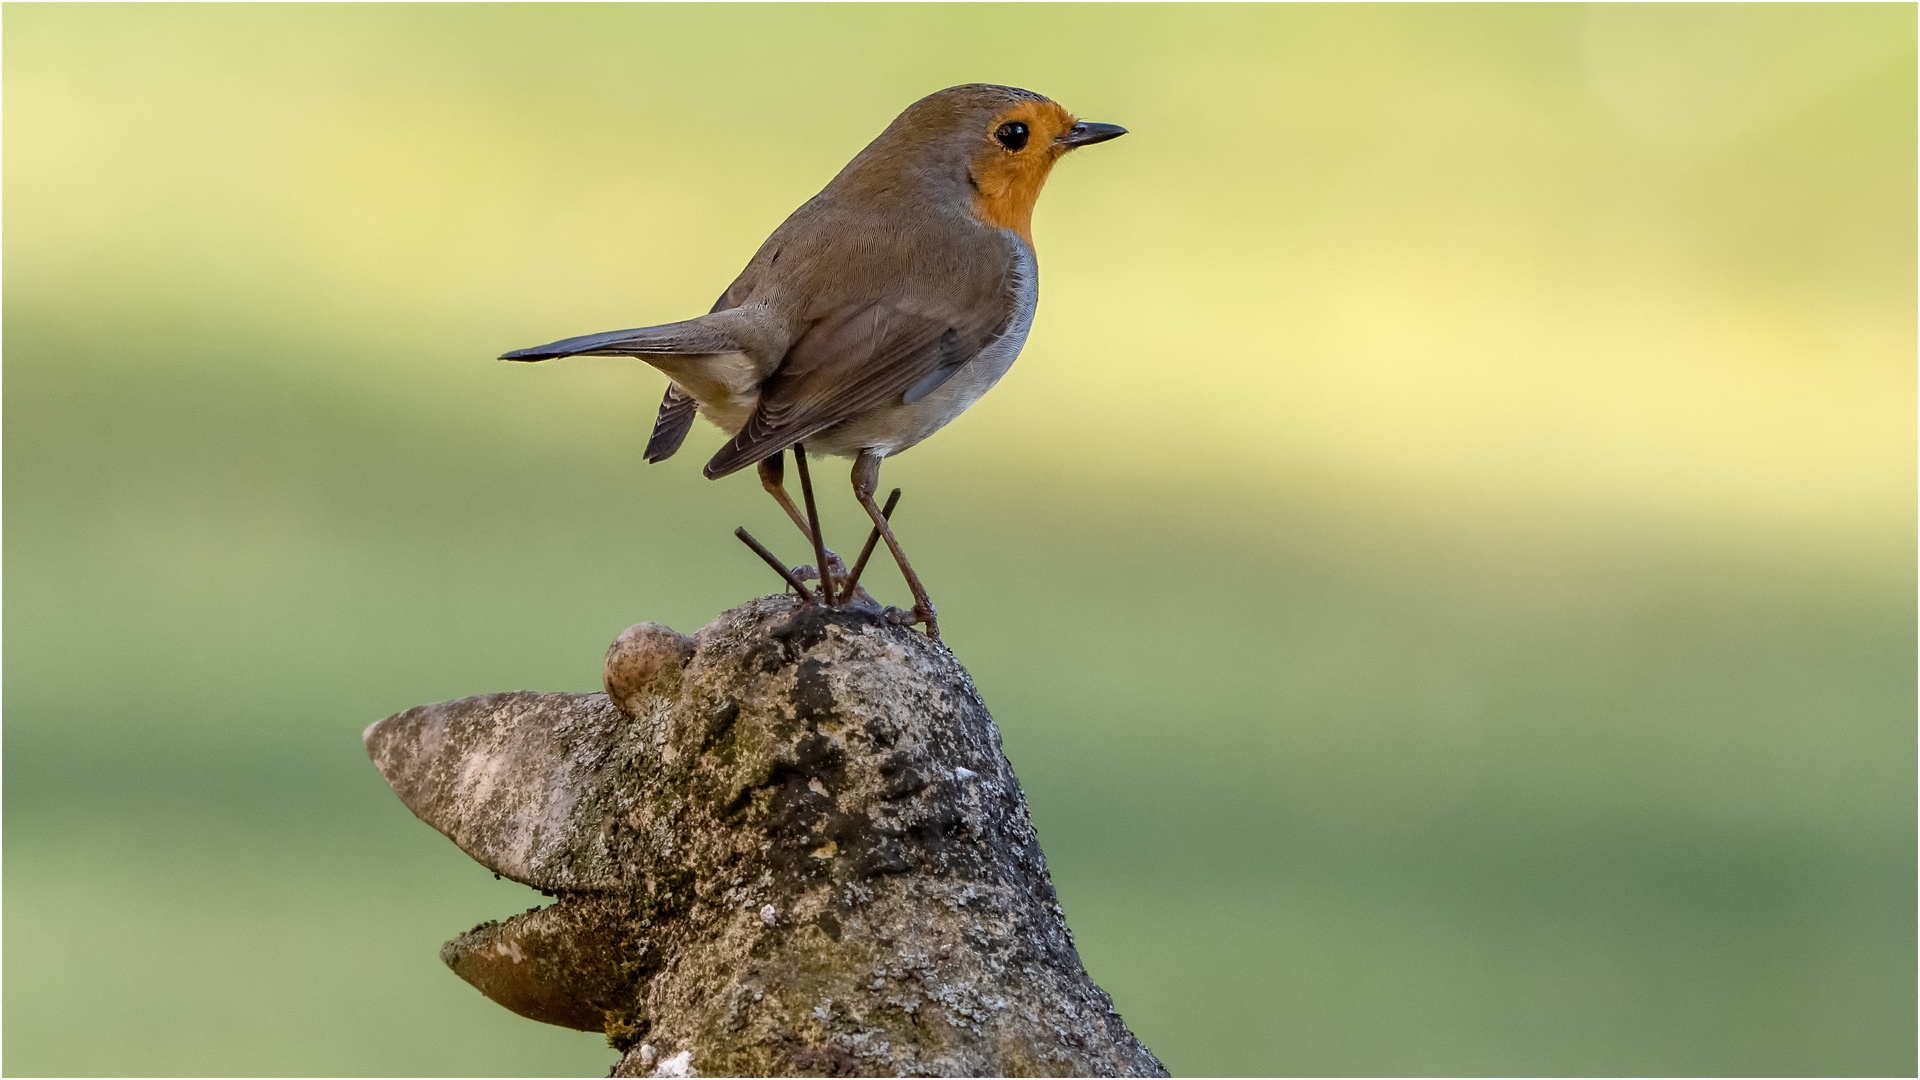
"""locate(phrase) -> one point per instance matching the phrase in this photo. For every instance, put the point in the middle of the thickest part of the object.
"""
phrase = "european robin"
(873, 315)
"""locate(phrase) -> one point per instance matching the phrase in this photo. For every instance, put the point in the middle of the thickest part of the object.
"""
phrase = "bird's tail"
(704, 357)
(692, 337)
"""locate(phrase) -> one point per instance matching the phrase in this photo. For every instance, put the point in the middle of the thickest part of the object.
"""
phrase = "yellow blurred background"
(1442, 565)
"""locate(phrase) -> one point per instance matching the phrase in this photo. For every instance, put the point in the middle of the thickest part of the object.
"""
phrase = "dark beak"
(1086, 134)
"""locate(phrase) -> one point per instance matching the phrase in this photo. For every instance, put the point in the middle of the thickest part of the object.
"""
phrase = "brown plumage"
(880, 309)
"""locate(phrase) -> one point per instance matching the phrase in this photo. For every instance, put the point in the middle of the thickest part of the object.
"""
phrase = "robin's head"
(993, 145)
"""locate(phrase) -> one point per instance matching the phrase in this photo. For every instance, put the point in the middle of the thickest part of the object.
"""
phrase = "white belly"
(890, 430)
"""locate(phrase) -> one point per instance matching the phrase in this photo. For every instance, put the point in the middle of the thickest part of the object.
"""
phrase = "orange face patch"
(1007, 182)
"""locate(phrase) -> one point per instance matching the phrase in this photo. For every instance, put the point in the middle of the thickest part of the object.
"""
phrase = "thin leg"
(773, 472)
(774, 561)
(813, 526)
(873, 540)
(866, 477)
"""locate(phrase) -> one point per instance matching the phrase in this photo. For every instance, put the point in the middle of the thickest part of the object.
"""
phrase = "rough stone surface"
(643, 663)
(801, 853)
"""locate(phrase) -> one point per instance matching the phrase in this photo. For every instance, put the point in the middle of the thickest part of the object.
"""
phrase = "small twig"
(774, 561)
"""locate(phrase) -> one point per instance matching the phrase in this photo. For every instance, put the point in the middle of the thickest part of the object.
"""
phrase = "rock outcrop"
(788, 845)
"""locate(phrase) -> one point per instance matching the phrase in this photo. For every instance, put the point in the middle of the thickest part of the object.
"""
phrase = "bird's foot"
(910, 616)
(860, 598)
(834, 566)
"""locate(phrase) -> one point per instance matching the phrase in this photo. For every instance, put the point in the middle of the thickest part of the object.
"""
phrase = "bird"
(879, 311)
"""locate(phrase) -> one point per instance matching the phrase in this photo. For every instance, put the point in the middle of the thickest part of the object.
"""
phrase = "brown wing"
(854, 359)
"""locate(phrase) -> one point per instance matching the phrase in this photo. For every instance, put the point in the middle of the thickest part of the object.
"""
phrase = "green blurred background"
(1443, 566)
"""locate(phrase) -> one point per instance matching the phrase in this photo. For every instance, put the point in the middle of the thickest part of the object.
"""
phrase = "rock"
(643, 666)
(559, 964)
(794, 848)
(529, 784)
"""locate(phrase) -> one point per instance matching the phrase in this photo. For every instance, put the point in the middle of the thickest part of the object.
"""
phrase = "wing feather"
(670, 428)
(856, 358)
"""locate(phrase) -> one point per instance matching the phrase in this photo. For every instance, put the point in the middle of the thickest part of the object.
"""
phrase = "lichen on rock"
(793, 847)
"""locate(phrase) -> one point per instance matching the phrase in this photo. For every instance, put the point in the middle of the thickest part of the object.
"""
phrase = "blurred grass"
(1442, 567)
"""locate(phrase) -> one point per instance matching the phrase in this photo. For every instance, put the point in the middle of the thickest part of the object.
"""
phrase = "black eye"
(1012, 136)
